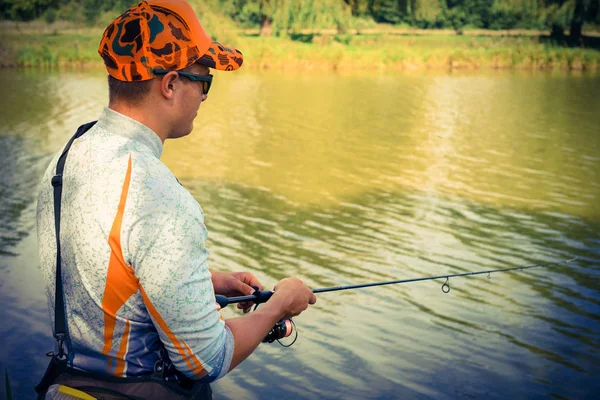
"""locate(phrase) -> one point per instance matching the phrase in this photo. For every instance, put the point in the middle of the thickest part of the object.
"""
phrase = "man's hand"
(294, 296)
(235, 284)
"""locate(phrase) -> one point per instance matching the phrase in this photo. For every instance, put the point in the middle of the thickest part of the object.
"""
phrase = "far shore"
(35, 44)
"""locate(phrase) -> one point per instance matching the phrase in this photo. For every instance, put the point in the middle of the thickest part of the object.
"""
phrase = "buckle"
(57, 180)
(60, 339)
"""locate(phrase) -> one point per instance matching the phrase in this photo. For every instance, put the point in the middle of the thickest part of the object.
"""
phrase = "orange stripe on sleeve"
(121, 282)
(197, 368)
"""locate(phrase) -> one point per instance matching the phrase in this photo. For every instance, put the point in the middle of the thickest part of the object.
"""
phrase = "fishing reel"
(282, 329)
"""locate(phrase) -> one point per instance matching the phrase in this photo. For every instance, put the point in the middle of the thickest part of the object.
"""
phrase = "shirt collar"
(119, 124)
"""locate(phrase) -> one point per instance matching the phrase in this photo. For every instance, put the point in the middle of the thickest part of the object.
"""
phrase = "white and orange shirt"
(134, 261)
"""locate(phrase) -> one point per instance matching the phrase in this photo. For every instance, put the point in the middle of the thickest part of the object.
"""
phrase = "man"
(139, 297)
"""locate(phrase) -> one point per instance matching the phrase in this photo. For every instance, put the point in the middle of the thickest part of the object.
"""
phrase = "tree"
(426, 12)
(387, 11)
(25, 10)
(579, 14)
(359, 7)
(280, 17)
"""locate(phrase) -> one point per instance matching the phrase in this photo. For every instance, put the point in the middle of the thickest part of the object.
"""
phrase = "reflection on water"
(345, 179)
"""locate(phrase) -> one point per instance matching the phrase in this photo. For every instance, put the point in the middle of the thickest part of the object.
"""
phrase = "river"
(351, 178)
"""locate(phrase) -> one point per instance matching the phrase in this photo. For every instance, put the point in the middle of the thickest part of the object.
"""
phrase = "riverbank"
(71, 46)
(347, 52)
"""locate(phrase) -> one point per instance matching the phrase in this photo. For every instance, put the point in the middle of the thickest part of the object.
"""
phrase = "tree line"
(280, 17)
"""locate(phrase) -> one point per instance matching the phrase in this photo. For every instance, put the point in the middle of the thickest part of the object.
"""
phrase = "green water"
(347, 179)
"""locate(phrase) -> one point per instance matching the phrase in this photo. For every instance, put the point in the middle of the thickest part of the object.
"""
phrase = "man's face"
(190, 97)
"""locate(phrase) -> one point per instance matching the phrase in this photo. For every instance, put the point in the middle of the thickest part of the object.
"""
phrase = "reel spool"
(282, 329)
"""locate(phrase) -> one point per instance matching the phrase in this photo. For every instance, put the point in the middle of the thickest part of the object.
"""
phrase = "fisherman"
(139, 314)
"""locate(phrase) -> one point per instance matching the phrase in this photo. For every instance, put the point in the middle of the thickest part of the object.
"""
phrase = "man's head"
(149, 50)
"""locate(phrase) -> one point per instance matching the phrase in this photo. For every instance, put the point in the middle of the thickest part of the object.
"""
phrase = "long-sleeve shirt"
(134, 261)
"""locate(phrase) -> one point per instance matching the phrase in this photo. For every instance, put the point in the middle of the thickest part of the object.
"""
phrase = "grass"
(341, 52)
(57, 48)
(65, 46)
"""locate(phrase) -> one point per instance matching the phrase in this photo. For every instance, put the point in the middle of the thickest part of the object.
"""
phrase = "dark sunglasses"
(205, 79)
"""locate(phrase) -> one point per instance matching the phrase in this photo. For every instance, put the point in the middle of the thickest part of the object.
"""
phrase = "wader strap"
(60, 322)
(58, 363)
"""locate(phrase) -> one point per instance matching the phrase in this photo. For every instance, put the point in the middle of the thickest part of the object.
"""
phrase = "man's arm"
(166, 249)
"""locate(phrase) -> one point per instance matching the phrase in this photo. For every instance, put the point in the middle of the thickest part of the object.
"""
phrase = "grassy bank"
(68, 45)
(347, 52)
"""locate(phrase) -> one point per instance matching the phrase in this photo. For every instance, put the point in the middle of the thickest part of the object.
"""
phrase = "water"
(354, 178)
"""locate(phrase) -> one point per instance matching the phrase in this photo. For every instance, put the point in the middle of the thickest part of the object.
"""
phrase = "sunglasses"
(205, 79)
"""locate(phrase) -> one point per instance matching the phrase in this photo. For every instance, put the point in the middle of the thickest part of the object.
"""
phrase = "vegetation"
(455, 14)
(279, 17)
(332, 34)
(344, 52)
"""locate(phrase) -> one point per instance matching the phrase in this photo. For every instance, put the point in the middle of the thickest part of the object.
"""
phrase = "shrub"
(50, 15)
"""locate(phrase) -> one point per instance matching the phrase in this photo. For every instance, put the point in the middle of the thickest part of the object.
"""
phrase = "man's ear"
(168, 84)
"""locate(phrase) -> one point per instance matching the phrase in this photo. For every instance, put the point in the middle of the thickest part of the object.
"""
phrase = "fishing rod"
(259, 297)
(284, 327)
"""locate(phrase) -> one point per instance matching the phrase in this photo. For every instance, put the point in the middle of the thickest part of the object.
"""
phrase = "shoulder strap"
(60, 322)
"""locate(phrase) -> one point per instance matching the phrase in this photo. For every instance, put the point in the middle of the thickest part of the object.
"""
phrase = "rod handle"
(222, 300)
(257, 297)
